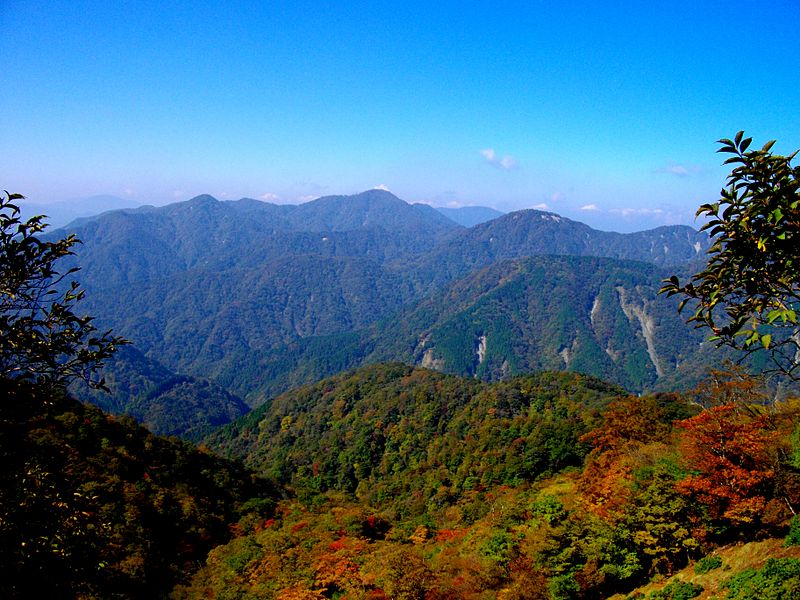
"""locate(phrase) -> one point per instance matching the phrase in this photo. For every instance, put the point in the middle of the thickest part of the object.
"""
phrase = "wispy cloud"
(383, 187)
(590, 207)
(178, 193)
(269, 197)
(489, 155)
(541, 206)
(627, 212)
(506, 163)
(680, 170)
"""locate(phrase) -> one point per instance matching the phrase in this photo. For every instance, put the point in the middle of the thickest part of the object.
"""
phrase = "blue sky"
(606, 112)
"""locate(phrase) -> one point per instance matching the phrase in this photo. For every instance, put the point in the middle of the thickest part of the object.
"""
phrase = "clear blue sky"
(606, 112)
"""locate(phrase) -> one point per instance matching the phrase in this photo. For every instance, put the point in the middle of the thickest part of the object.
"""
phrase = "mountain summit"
(532, 232)
(370, 209)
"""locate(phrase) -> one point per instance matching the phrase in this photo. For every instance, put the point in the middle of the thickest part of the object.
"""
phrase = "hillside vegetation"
(602, 317)
(160, 399)
(97, 507)
(386, 431)
(414, 484)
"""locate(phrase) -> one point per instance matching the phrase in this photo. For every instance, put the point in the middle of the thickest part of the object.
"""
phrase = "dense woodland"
(94, 506)
(411, 484)
(401, 482)
(382, 403)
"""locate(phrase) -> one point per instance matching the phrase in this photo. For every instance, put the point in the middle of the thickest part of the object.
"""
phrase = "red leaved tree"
(731, 455)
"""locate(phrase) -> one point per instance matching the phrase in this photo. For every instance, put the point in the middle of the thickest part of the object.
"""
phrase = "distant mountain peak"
(374, 197)
(201, 200)
(378, 193)
(370, 209)
(533, 219)
(535, 212)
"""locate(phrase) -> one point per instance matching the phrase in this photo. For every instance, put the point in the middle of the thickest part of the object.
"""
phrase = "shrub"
(677, 590)
(793, 538)
(707, 563)
(778, 579)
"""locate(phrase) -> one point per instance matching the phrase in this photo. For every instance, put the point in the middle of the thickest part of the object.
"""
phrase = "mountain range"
(256, 297)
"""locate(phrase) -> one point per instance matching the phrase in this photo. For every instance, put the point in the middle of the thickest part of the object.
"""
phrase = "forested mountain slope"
(369, 431)
(197, 321)
(259, 297)
(410, 483)
(97, 507)
(165, 402)
(151, 244)
(533, 232)
(598, 316)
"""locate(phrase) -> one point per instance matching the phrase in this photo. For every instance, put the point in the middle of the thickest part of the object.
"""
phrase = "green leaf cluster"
(748, 294)
(707, 563)
(41, 337)
(676, 590)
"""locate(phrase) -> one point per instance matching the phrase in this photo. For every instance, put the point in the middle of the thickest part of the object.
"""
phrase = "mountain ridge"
(598, 316)
(533, 232)
(210, 286)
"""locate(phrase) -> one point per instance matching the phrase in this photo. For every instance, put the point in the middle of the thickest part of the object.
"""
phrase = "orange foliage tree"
(730, 454)
(628, 424)
(337, 570)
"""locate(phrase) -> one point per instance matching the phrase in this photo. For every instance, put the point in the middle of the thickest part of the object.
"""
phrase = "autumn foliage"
(730, 455)
(630, 427)
(664, 481)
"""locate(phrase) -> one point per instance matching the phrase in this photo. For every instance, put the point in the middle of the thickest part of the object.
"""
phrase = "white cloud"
(542, 206)
(557, 197)
(627, 212)
(680, 170)
(307, 198)
(383, 187)
(269, 197)
(590, 207)
(506, 163)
